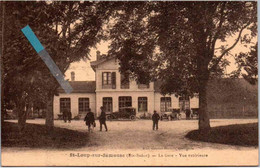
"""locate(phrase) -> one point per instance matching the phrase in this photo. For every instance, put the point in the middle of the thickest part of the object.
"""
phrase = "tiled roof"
(81, 87)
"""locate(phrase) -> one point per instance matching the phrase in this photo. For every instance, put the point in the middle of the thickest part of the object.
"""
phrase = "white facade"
(157, 101)
(103, 67)
(134, 92)
(74, 102)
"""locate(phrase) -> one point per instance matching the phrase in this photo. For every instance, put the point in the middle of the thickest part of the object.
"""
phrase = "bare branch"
(230, 48)
(221, 21)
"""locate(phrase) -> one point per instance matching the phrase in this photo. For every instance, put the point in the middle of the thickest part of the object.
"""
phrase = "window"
(143, 85)
(124, 81)
(64, 103)
(142, 104)
(125, 101)
(108, 80)
(83, 105)
(165, 103)
(108, 104)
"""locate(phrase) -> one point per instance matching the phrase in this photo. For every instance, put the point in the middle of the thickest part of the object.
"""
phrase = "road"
(135, 143)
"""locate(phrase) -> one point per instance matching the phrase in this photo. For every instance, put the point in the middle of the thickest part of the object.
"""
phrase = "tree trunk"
(22, 115)
(204, 123)
(2, 65)
(49, 115)
(203, 76)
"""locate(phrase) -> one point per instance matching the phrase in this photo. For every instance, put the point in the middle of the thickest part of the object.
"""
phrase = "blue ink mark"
(29, 34)
(55, 71)
(27, 31)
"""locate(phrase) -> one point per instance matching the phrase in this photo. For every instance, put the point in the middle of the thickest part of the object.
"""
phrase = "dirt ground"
(139, 140)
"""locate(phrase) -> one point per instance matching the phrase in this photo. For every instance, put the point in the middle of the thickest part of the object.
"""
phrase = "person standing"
(155, 119)
(65, 115)
(102, 118)
(90, 120)
(69, 115)
(188, 112)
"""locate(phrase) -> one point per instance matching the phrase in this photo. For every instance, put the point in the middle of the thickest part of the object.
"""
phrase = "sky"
(82, 69)
(84, 72)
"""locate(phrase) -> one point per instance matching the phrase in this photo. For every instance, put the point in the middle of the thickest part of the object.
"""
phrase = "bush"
(238, 134)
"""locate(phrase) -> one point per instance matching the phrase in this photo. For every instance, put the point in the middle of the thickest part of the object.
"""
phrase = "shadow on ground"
(238, 134)
(36, 136)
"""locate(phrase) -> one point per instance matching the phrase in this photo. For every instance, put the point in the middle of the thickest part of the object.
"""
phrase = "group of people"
(90, 120)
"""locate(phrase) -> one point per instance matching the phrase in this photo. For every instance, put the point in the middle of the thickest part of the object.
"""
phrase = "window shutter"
(102, 79)
(113, 80)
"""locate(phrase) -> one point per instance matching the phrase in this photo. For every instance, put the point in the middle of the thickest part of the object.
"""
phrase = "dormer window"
(108, 80)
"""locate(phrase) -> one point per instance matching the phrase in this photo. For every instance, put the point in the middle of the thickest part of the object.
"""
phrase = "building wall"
(96, 99)
(133, 91)
(113, 66)
(108, 66)
(157, 101)
(194, 102)
(116, 94)
(74, 98)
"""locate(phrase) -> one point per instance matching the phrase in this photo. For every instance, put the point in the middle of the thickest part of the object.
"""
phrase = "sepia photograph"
(129, 83)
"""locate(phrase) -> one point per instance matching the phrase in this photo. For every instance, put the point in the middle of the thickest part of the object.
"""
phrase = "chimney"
(72, 76)
(98, 55)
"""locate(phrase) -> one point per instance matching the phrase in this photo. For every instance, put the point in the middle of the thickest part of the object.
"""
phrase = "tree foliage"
(248, 62)
(175, 42)
(67, 30)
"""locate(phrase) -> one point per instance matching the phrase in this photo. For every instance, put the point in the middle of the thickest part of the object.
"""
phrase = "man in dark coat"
(102, 118)
(69, 115)
(65, 115)
(187, 111)
(155, 119)
(90, 120)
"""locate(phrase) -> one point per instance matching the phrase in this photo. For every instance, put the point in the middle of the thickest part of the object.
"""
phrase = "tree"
(176, 43)
(248, 62)
(67, 30)
(22, 72)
